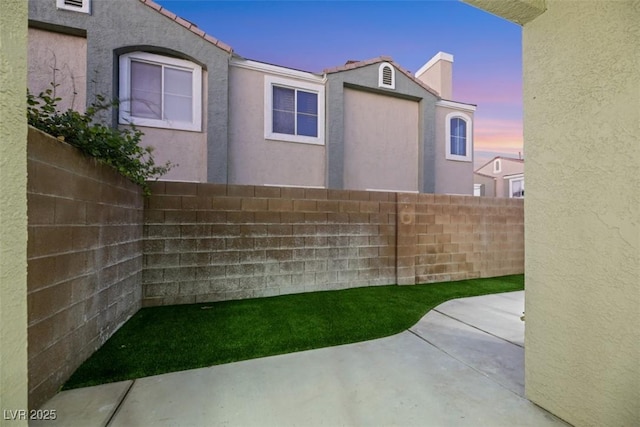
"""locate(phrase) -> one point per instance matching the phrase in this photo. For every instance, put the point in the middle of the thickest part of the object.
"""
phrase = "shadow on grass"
(158, 340)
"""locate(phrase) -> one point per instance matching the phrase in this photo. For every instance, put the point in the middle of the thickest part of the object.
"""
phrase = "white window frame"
(497, 166)
(469, 146)
(125, 116)
(393, 76)
(513, 179)
(269, 83)
(85, 8)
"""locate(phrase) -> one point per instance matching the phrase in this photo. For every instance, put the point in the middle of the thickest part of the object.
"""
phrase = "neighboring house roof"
(188, 25)
(484, 175)
(512, 175)
(501, 158)
(351, 65)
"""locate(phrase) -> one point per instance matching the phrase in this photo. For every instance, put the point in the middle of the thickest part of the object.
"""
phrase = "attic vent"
(386, 76)
(74, 5)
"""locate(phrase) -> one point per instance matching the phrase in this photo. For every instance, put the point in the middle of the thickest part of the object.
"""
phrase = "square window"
(294, 111)
(159, 91)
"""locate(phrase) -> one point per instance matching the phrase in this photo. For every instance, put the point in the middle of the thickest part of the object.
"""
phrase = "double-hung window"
(294, 111)
(458, 137)
(160, 91)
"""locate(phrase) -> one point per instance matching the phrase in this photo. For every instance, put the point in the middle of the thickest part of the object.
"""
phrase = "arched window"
(386, 76)
(497, 166)
(459, 137)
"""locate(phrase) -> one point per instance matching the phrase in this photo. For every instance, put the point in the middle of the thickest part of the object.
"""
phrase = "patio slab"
(441, 372)
(497, 314)
(88, 406)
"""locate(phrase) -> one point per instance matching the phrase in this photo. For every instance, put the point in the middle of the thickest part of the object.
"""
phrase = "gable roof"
(484, 175)
(352, 65)
(188, 25)
(501, 158)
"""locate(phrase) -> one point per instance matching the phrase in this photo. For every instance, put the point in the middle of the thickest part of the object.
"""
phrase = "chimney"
(437, 73)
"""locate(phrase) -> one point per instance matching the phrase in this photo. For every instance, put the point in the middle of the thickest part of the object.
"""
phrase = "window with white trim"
(82, 6)
(516, 187)
(459, 137)
(160, 91)
(293, 111)
(386, 76)
(497, 166)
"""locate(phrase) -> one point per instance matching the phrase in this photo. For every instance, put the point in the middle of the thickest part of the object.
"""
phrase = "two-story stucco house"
(367, 125)
(500, 177)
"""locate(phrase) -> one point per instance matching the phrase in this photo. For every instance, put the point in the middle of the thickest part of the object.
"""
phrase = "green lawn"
(167, 339)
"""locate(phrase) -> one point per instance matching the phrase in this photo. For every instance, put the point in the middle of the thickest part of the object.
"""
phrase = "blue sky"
(314, 35)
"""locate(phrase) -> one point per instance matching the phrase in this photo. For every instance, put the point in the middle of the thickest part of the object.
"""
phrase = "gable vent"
(386, 76)
(74, 5)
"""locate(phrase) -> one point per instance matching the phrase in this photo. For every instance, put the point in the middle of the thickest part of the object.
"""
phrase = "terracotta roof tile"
(152, 4)
(188, 25)
(183, 22)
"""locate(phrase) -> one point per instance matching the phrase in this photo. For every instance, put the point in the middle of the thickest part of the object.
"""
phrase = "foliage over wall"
(116, 147)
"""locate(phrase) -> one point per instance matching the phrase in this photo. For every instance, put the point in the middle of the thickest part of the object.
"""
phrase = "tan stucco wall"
(581, 116)
(13, 209)
(380, 142)
(60, 59)
(254, 160)
(452, 177)
(186, 150)
(439, 77)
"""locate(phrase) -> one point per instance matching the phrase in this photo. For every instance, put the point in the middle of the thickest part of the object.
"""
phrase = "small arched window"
(497, 166)
(386, 76)
(459, 134)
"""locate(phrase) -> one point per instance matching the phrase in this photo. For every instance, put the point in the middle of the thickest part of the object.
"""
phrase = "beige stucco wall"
(439, 77)
(252, 158)
(186, 150)
(581, 116)
(13, 208)
(380, 142)
(60, 59)
(452, 176)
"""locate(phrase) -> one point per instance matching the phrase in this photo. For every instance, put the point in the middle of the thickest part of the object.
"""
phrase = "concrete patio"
(461, 364)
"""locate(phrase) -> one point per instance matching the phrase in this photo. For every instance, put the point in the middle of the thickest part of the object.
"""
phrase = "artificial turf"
(158, 340)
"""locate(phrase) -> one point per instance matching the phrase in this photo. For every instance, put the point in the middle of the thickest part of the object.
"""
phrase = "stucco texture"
(252, 158)
(13, 208)
(129, 26)
(451, 176)
(380, 142)
(581, 93)
(59, 59)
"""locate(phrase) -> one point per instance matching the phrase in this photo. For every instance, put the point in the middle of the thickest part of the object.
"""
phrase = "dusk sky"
(315, 35)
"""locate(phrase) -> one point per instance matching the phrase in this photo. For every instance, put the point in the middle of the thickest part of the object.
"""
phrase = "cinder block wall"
(465, 237)
(209, 242)
(84, 259)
